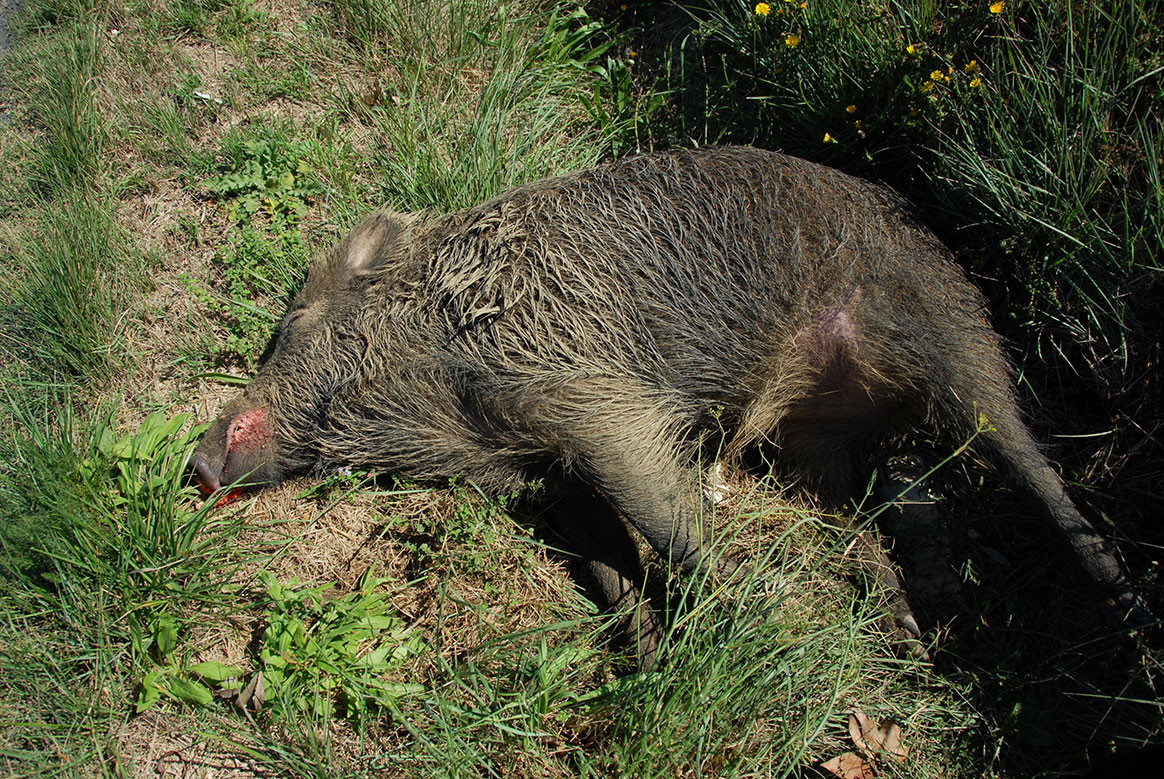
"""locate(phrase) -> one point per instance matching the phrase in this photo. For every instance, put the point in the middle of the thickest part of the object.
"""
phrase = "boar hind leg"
(833, 454)
(1009, 444)
(830, 413)
(610, 558)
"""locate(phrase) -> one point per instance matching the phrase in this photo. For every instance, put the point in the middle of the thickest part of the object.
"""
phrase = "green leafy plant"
(142, 464)
(619, 106)
(317, 656)
(259, 272)
(323, 656)
(266, 190)
(196, 684)
(268, 176)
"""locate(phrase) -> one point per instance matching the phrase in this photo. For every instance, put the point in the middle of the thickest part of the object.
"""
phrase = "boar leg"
(633, 454)
(610, 559)
(831, 444)
(900, 625)
(833, 461)
(1010, 444)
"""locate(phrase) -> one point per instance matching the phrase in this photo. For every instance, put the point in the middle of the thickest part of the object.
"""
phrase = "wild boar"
(591, 330)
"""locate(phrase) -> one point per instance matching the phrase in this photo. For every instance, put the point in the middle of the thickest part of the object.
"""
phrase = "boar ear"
(378, 240)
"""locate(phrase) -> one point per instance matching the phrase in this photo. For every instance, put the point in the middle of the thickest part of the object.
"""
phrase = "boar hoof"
(1127, 610)
(903, 631)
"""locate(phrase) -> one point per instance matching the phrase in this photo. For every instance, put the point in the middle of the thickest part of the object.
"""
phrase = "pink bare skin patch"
(250, 430)
(830, 345)
(837, 327)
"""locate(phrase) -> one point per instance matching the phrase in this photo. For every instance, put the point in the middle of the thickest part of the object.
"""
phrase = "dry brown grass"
(168, 744)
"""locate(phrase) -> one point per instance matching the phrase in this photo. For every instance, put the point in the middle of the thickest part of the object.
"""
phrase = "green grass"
(64, 315)
(165, 187)
(101, 554)
(453, 141)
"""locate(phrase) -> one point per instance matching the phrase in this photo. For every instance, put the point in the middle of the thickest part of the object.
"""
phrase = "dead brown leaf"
(873, 738)
(849, 766)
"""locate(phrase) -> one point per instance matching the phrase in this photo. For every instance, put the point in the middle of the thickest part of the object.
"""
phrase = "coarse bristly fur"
(588, 330)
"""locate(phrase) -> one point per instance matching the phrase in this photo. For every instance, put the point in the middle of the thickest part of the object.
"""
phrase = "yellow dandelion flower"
(804, 5)
(976, 82)
(912, 50)
(828, 139)
(996, 8)
(792, 40)
(971, 66)
(851, 109)
(936, 75)
(763, 9)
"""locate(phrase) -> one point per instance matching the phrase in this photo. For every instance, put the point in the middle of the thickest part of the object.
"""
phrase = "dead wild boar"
(589, 330)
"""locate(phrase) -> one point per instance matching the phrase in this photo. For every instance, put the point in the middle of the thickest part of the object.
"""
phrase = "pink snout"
(238, 447)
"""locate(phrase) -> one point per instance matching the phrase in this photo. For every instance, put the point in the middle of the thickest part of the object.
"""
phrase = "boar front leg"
(633, 452)
(610, 557)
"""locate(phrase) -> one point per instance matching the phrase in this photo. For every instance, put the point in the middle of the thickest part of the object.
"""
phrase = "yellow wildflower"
(936, 75)
(857, 124)
(804, 5)
(976, 82)
(763, 9)
(971, 66)
(792, 40)
(911, 50)
(927, 86)
(996, 7)
(828, 139)
(851, 109)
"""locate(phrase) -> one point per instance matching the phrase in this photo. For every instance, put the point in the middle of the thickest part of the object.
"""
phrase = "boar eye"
(292, 317)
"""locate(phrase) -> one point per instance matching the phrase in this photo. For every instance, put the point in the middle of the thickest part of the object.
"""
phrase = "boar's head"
(274, 429)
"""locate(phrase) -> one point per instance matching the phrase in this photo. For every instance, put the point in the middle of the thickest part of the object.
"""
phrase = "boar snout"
(207, 474)
(238, 447)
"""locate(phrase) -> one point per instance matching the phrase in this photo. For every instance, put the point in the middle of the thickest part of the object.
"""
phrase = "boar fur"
(590, 330)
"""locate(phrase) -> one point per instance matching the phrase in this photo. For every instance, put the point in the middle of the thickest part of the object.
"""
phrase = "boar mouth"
(212, 478)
